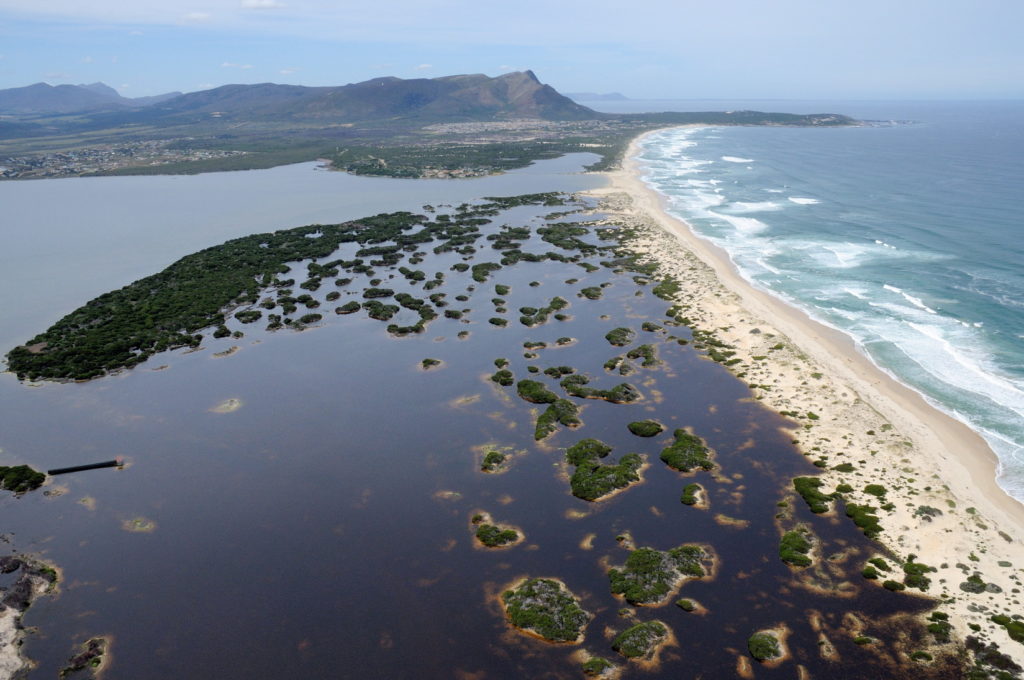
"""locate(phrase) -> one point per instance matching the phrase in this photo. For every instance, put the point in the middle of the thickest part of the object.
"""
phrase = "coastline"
(862, 415)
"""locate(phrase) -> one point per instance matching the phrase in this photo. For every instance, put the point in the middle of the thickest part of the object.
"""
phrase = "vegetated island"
(642, 641)
(547, 609)
(593, 480)
(123, 328)
(650, 576)
(490, 534)
(90, 661)
(20, 478)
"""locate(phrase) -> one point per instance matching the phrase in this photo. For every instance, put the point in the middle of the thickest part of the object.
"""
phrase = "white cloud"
(196, 17)
(87, 60)
(287, 71)
(125, 86)
(423, 67)
(262, 4)
(231, 64)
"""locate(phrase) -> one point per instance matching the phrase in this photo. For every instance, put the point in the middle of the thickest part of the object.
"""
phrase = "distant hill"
(450, 98)
(595, 97)
(44, 99)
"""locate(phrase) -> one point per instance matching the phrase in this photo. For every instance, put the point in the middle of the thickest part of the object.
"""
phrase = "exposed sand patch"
(227, 406)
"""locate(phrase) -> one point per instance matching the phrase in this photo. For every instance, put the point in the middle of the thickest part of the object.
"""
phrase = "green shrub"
(875, 490)
(494, 537)
(347, 308)
(808, 487)
(503, 377)
(863, 516)
(690, 492)
(562, 412)
(586, 450)
(649, 574)
(646, 428)
(764, 646)
(20, 478)
(620, 337)
(596, 665)
(794, 548)
(249, 315)
(492, 461)
(640, 640)
(688, 452)
(546, 608)
(535, 392)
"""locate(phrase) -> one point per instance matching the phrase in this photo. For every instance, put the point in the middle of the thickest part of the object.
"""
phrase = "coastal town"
(105, 159)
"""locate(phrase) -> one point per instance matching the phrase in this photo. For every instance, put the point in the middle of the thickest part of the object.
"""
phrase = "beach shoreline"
(923, 456)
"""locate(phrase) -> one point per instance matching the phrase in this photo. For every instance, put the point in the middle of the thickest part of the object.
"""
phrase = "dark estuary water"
(322, 528)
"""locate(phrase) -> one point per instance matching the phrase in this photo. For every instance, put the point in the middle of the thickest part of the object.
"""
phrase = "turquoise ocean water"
(906, 233)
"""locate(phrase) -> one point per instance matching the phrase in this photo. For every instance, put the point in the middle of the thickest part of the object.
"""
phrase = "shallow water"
(302, 534)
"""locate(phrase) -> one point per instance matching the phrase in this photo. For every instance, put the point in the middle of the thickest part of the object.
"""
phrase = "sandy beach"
(944, 505)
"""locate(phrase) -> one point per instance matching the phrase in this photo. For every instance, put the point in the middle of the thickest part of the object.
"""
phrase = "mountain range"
(452, 98)
(43, 99)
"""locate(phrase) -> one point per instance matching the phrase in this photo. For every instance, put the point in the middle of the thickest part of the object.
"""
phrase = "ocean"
(904, 233)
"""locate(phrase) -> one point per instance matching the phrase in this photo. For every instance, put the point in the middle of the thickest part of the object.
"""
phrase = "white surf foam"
(804, 201)
(744, 225)
(941, 358)
(742, 207)
(916, 301)
(737, 159)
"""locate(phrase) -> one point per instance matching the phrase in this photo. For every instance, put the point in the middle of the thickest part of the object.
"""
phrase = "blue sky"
(905, 49)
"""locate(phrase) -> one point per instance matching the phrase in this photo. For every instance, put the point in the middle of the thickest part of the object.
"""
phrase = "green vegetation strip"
(808, 487)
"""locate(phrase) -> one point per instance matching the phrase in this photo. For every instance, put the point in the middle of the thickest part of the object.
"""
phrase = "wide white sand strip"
(892, 436)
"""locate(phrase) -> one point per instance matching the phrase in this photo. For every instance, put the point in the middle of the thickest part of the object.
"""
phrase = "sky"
(645, 49)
